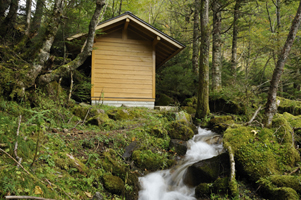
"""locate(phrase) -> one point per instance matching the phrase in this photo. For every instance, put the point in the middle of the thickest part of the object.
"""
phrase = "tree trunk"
(36, 22)
(234, 36)
(4, 4)
(10, 20)
(195, 44)
(203, 91)
(28, 16)
(120, 6)
(271, 106)
(216, 48)
(79, 60)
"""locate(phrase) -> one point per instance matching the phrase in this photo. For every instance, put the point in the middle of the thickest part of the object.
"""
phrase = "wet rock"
(207, 171)
(179, 146)
(217, 139)
(97, 196)
(113, 184)
(180, 130)
(129, 150)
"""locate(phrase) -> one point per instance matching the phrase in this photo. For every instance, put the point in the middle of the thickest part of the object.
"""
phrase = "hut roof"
(166, 46)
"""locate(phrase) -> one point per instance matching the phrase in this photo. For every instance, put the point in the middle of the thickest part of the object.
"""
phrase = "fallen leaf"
(133, 139)
(88, 194)
(38, 190)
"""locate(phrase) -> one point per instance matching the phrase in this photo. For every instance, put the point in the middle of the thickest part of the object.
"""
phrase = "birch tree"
(271, 107)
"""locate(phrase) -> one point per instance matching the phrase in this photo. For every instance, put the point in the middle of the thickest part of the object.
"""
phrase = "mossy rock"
(271, 191)
(164, 100)
(283, 129)
(260, 153)
(120, 114)
(180, 130)
(291, 106)
(99, 119)
(178, 146)
(158, 131)
(203, 190)
(83, 109)
(221, 185)
(219, 124)
(286, 181)
(189, 109)
(146, 159)
(113, 184)
(191, 102)
(111, 164)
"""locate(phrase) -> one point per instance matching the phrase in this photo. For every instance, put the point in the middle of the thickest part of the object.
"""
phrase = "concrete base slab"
(167, 108)
(147, 104)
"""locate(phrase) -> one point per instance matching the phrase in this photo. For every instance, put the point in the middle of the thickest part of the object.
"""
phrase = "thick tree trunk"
(271, 106)
(10, 20)
(36, 22)
(195, 44)
(234, 36)
(4, 4)
(28, 16)
(79, 60)
(216, 47)
(203, 91)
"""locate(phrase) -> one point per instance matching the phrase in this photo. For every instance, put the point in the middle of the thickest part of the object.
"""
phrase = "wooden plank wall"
(123, 69)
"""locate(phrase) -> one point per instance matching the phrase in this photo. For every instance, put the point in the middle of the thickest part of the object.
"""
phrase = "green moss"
(158, 131)
(68, 161)
(220, 123)
(291, 106)
(120, 114)
(233, 187)
(146, 159)
(203, 190)
(99, 119)
(278, 193)
(286, 181)
(113, 184)
(189, 109)
(221, 185)
(179, 130)
(261, 154)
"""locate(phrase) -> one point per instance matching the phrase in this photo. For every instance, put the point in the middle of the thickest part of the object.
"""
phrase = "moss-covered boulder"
(291, 106)
(99, 119)
(178, 146)
(219, 124)
(158, 131)
(221, 185)
(261, 152)
(271, 191)
(203, 190)
(112, 164)
(84, 109)
(113, 184)
(189, 109)
(146, 159)
(180, 130)
(120, 114)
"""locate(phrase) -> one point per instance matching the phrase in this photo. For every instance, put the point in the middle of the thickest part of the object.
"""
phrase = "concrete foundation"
(147, 104)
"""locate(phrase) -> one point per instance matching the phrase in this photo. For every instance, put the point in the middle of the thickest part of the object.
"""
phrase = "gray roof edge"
(142, 21)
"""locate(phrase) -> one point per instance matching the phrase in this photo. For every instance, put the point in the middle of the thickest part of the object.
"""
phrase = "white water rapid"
(168, 184)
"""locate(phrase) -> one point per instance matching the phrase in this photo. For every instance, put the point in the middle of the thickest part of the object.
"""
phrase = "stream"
(168, 184)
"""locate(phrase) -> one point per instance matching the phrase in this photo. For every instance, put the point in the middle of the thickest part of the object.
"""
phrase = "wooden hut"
(125, 58)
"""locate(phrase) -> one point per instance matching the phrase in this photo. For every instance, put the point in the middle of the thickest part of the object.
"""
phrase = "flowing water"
(168, 184)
